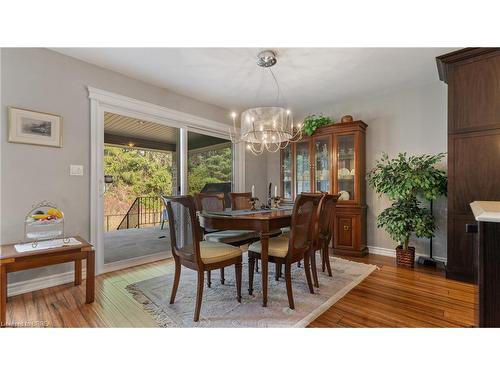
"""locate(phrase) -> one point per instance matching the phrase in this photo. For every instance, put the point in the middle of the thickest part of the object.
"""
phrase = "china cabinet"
(332, 160)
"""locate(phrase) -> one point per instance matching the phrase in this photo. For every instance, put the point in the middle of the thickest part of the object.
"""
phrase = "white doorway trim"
(103, 101)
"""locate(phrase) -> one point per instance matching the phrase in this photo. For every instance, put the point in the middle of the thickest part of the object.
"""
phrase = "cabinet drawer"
(344, 232)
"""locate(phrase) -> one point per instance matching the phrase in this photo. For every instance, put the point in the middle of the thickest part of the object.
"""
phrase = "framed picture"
(35, 128)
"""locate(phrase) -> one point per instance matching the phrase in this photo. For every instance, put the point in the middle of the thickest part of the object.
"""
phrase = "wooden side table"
(11, 261)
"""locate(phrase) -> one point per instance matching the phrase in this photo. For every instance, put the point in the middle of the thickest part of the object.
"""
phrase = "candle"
(253, 191)
(275, 190)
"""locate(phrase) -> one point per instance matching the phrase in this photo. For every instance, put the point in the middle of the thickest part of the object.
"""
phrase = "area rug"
(221, 309)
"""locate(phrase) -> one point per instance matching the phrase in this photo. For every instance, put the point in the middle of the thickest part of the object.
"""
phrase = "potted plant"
(313, 122)
(406, 180)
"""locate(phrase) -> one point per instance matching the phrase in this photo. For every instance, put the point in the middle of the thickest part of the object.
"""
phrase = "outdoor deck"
(133, 243)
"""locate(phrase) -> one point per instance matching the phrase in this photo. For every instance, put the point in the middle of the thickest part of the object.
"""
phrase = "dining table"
(263, 221)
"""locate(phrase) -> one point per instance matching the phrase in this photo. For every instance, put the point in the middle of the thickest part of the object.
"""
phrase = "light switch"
(76, 170)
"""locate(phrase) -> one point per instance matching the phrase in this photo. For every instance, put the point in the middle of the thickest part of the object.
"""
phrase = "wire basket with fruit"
(44, 222)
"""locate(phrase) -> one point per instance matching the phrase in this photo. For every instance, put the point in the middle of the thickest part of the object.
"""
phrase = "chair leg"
(327, 261)
(199, 295)
(276, 271)
(251, 268)
(257, 265)
(222, 280)
(177, 277)
(307, 270)
(288, 280)
(298, 264)
(323, 260)
(209, 279)
(238, 269)
(314, 270)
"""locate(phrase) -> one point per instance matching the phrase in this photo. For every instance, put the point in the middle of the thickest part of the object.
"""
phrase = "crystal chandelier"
(266, 128)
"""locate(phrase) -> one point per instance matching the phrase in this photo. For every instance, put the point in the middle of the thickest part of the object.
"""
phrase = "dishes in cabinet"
(344, 172)
(344, 195)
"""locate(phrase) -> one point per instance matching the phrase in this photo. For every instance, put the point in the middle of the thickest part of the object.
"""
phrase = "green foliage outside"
(208, 167)
(405, 180)
(313, 122)
(149, 173)
(135, 173)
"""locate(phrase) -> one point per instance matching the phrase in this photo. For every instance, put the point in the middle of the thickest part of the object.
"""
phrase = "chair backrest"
(185, 231)
(304, 218)
(210, 202)
(240, 201)
(326, 210)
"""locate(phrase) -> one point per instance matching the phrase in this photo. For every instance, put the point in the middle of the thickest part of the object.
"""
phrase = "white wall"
(47, 81)
(412, 120)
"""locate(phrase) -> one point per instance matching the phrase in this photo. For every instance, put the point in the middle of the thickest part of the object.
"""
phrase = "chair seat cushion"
(278, 247)
(229, 236)
(213, 252)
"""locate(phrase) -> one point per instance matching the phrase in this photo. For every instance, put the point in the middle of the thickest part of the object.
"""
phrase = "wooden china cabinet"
(332, 160)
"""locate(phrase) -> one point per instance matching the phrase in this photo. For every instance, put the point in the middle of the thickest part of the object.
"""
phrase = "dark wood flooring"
(389, 297)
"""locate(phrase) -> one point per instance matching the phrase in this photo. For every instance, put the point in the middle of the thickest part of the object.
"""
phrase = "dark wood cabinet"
(473, 77)
(332, 160)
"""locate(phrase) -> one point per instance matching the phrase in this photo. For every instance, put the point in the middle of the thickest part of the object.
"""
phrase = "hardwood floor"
(389, 297)
(400, 297)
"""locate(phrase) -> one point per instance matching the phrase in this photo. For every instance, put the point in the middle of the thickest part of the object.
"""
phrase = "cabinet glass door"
(302, 168)
(287, 172)
(345, 166)
(322, 164)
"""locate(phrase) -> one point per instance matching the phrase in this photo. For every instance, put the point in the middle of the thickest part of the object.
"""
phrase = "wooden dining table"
(263, 222)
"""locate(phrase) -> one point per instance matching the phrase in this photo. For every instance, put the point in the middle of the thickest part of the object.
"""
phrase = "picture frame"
(35, 128)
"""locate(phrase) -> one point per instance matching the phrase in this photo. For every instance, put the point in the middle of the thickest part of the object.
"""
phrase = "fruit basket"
(43, 222)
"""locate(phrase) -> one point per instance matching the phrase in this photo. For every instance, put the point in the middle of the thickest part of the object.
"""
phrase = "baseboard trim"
(31, 285)
(392, 253)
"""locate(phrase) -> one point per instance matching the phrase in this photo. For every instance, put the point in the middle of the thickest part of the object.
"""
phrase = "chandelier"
(266, 128)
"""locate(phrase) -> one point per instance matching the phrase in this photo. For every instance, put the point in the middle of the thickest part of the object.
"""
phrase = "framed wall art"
(36, 128)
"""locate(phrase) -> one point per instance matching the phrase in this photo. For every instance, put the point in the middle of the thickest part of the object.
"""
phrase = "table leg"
(3, 296)
(78, 272)
(264, 241)
(90, 282)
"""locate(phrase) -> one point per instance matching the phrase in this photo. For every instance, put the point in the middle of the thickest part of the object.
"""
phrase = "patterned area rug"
(220, 308)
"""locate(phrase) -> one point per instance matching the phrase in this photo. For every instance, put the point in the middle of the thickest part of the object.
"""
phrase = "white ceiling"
(310, 78)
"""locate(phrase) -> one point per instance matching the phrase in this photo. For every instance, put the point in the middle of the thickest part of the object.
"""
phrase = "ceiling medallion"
(266, 128)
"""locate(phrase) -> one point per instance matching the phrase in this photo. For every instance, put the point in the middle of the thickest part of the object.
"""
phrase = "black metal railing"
(144, 211)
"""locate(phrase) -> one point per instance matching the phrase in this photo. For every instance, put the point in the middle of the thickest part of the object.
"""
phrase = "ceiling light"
(259, 124)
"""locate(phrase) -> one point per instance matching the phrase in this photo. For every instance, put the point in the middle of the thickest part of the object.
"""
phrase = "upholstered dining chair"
(241, 201)
(286, 250)
(216, 202)
(191, 251)
(322, 234)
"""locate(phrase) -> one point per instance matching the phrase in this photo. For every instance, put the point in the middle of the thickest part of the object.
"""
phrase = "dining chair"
(241, 201)
(288, 250)
(216, 202)
(191, 251)
(322, 234)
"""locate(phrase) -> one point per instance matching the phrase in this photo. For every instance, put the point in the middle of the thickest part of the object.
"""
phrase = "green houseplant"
(405, 180)
(313, 122)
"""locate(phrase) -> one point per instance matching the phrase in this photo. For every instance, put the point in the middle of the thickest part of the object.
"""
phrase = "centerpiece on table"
(406, 180)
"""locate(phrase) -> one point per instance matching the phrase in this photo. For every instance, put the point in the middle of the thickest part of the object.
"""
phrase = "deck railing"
(144, 211)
